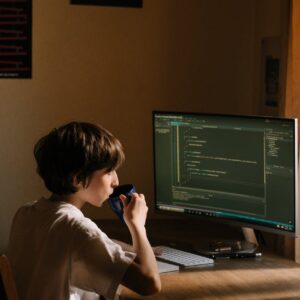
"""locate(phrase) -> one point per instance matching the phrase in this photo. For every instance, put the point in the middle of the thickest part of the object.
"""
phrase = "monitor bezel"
(228, 220)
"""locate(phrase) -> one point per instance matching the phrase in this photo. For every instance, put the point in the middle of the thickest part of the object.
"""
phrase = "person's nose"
(115, 181)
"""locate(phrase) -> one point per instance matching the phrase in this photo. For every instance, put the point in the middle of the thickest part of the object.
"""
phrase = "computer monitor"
(237, 169)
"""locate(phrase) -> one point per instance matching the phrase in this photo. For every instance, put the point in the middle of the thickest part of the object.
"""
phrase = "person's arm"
(142, 275)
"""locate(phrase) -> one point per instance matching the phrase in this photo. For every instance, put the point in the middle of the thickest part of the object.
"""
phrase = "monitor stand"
(250, 235)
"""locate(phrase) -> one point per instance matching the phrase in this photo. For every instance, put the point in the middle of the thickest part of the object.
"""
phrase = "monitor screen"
(241, 169)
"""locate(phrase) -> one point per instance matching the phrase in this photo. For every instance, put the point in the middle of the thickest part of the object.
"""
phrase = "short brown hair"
(75, 150)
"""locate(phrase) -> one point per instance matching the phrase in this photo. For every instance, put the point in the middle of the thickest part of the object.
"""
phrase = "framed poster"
(125, 3)
(15, 38)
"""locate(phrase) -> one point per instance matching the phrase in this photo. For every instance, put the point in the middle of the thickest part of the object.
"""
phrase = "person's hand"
(135, 210)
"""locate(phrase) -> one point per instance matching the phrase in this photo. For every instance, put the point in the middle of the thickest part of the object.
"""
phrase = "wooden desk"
(269, 277)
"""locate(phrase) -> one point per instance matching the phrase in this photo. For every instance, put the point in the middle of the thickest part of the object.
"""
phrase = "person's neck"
(72, 199)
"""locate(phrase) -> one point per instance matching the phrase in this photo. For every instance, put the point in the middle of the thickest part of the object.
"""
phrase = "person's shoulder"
(25, 208)
(74, 219)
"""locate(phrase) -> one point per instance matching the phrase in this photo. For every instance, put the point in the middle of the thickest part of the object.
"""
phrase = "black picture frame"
(122, 3)
(16, 39)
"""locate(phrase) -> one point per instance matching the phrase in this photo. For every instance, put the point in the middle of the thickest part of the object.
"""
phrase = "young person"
(56, 252)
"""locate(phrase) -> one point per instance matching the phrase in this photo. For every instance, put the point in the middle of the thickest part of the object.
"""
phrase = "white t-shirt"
(57, 253)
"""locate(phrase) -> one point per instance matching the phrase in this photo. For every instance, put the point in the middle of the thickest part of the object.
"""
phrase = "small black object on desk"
(230, 249)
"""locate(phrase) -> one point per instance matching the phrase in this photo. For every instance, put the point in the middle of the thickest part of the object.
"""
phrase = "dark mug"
(114, 201)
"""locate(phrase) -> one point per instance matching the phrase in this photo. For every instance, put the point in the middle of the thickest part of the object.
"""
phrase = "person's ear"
(76, 183)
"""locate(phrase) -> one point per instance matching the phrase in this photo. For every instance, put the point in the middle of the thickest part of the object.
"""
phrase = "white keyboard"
(181, 258)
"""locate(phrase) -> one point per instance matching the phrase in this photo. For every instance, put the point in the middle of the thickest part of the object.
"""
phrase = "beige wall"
(114, 66)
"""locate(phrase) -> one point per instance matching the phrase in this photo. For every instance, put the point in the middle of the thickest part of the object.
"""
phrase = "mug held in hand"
(114, 201)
